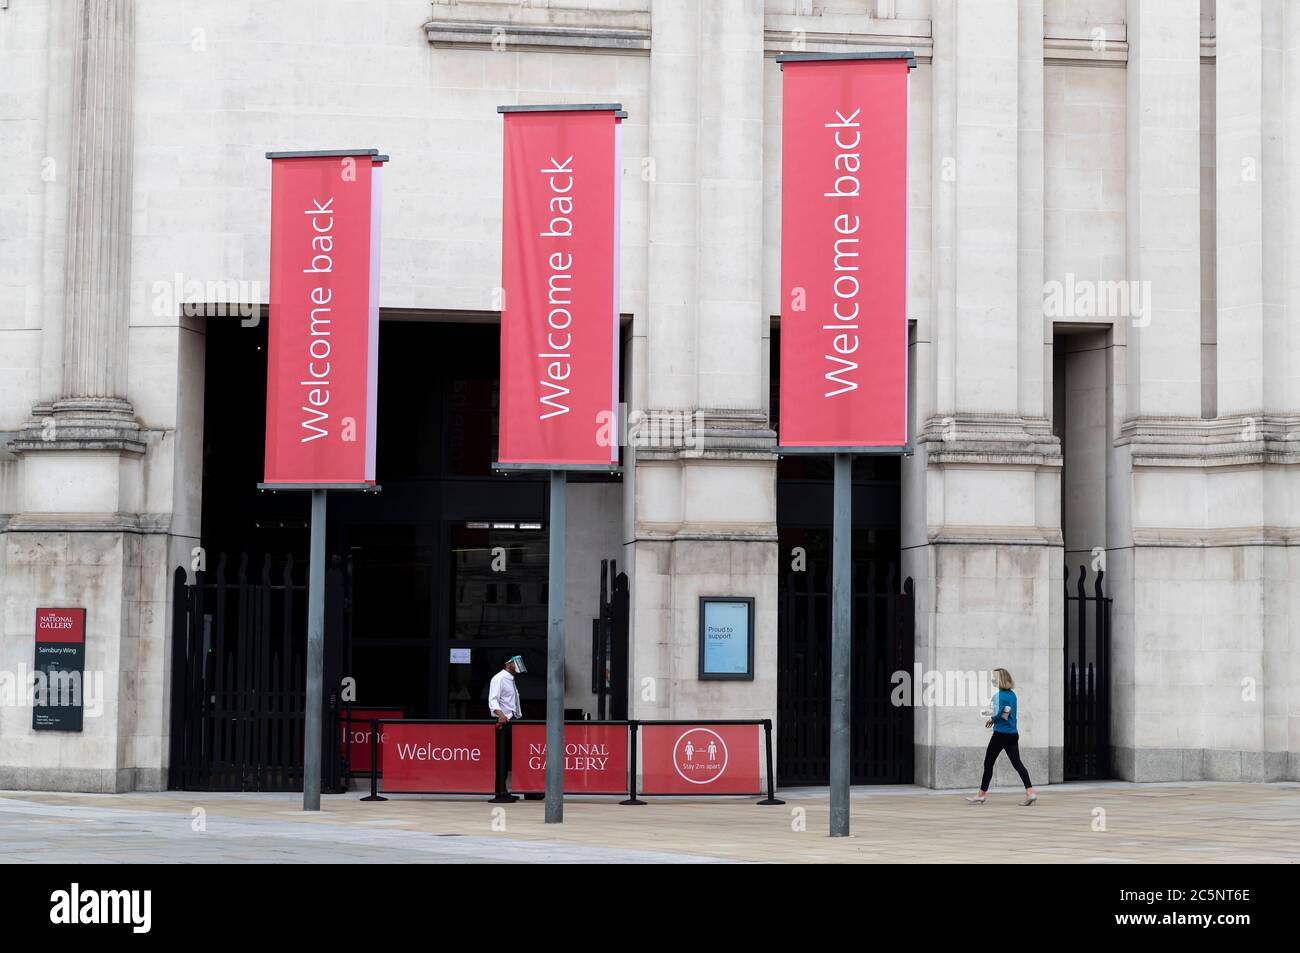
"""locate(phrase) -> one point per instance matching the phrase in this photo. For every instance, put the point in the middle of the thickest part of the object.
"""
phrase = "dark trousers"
(1000, 742)
(503, 755)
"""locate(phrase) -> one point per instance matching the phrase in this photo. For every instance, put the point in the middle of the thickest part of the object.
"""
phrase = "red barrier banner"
(559, 286)
(595, 759)
(322, 354)
(844, 251)
(439, 759)
(700, 759)
(355, 746)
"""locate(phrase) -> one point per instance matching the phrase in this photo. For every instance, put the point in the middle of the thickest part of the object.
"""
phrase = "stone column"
(1158, 568)
(703, 490)
(672, 271)
(1282, 566)
(78, 538)
(733, 326)
(1253, 40)
(991, 466)
(1240, 181)
(1035, 331)
(93, 412)
(1164, 181)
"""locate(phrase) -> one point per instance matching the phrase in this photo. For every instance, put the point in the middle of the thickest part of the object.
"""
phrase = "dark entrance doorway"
(425, 615)
(882, 618)
(434, 608)
(882, 638)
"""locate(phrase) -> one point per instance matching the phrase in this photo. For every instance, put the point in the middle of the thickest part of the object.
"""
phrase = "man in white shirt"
(503, 696)
(503, 703)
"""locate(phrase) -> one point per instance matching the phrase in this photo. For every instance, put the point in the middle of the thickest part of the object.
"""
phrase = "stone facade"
(1132, 152)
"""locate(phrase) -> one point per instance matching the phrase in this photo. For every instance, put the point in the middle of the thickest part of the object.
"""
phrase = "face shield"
(518, 662)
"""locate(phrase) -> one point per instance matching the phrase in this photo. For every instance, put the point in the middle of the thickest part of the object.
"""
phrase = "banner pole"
(841, 642)
(555, 656)
(311, 760)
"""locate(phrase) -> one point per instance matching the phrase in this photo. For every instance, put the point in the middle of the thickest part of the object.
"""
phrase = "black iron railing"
(239, 678)
(883, 626)
(1087, 679)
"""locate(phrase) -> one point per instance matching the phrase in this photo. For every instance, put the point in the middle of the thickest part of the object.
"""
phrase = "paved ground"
(1172, 823)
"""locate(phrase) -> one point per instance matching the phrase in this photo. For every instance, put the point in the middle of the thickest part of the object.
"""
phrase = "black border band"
(363, 487)
(909, 55)
(567, 467)
(903, 451)
(616, 108)
(322, 153)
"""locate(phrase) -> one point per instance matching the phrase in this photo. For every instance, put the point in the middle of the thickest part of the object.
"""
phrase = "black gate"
(609, 646)
(239, 679)
(883, 625)
(1087, 680)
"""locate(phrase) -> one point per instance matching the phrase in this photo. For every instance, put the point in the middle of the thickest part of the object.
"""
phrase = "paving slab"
(1191, 822)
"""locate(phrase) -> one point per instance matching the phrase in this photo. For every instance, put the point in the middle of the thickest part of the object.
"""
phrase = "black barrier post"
(501, 796)
(374, 761)
(347, 741)
(631, 769)
(771, 786)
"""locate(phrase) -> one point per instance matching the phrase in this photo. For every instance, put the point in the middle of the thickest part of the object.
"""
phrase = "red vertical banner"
(844, 250)
(322, 360)
(559, 286)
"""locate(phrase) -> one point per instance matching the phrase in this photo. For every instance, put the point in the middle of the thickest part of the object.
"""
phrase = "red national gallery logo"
(700, 756)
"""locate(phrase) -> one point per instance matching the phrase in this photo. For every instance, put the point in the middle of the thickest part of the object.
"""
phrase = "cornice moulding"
(555, 29)
(1243, 440)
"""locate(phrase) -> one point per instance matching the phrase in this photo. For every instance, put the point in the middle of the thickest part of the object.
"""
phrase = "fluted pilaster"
(99, 201)
(93, 412)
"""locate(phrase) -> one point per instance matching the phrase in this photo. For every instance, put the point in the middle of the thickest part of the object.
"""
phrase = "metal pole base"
(632, 800)
(555, 653)
(841, 647)
(770, 800)
(504, 799)
(373, 797)
(312, 717)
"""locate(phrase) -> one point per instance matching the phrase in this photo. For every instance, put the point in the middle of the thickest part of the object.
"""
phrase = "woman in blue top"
(1006, 737)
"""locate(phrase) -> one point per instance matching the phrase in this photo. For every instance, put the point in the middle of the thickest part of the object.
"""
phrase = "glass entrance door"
(498, 596)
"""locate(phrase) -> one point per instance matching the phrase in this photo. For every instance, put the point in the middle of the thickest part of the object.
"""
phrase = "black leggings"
(1010, 743)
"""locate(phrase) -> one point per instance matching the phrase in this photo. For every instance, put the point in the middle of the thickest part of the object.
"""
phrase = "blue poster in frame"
(726, 637)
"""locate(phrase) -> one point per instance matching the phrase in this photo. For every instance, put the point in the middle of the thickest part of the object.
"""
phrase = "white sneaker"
(977, 799)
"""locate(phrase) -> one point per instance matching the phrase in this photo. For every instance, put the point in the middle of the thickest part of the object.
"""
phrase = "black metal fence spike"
(237, 686)
(1086, 655)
